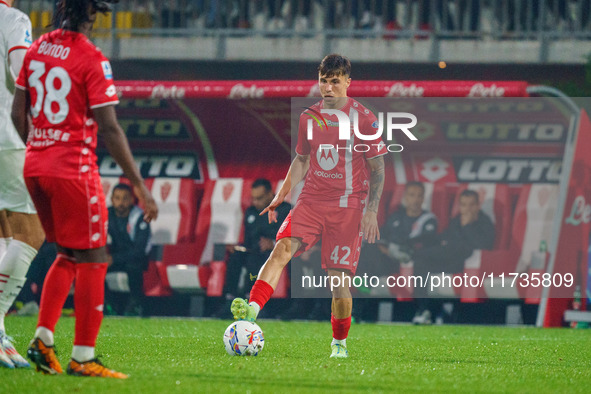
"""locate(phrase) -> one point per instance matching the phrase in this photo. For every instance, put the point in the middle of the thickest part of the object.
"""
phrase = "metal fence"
(542, 20)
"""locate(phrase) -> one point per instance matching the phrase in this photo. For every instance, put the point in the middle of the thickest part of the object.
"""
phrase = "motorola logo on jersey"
(334, 175)
(327, 157)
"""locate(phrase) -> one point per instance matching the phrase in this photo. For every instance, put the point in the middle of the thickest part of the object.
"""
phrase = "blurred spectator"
(205, 13)
(259, 240)
(471, 229)
(406, 230)
(302, 9)
(387, 14)
(130, 245)
(409, 229)
(453, 19)
(524, 16)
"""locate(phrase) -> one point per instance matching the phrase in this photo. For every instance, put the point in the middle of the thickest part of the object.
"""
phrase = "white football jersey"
(15, 33)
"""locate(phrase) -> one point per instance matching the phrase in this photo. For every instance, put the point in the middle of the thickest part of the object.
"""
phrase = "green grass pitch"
(184, 355)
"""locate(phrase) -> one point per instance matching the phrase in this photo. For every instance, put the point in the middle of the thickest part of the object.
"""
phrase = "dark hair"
(334, 65)
(70, 14)
(470, 193)
(262, 182)
(123, 186)
(415, 184)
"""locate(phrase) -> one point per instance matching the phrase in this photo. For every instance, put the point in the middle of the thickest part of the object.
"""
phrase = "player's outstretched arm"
(297, 170)
(369, 223)
(118, 147)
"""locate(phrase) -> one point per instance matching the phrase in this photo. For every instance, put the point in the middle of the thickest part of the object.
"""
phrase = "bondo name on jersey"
(54, 50)
(47, 137)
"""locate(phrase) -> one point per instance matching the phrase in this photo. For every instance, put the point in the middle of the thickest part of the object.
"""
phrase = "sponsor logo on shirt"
(28, 38)
(323, 174)
(106, 66)
(327, 157)
(111, 91)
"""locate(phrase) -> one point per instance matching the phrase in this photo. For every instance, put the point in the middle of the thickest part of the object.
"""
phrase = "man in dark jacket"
(406, 230)
(130, 244)
(470, 230)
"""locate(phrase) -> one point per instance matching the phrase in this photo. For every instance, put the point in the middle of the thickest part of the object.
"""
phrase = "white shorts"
(14, 196)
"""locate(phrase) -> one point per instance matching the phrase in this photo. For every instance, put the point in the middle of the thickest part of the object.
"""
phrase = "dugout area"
(201, 144)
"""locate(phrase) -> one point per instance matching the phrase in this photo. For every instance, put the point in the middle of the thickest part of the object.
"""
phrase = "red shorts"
(72, 211)
(339, 230)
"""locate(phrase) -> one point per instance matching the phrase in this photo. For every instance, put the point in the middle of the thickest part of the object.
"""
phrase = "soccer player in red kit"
(332, 203)
(66, 85)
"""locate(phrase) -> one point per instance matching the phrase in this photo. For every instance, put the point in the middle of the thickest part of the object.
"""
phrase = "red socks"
(340, 327)
(88, 297)
(260, 293)
(56, 287)
(88, 301)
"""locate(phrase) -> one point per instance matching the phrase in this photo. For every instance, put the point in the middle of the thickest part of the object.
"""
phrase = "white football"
(243, 338)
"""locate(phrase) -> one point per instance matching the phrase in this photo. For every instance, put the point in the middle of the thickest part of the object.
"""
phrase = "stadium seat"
(532, 224)
(183, 277)
(220, 222)
(177, 200)
(496, 203)
(117, 282)
(220, 216)
(156, 280)
(216, 280)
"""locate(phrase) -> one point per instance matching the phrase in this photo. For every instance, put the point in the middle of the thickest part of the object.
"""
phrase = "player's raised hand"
(277, 200)
(369, 227)
(145, 197)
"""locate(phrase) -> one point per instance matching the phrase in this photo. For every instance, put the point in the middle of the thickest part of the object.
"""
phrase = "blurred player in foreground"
(21, 234)
(331, 203)
(66, 85)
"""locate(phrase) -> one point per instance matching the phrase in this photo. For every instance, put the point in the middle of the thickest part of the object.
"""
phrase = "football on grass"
(243, 338)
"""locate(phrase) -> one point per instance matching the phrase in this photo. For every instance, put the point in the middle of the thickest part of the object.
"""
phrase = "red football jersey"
(338, 173)
(66, 76)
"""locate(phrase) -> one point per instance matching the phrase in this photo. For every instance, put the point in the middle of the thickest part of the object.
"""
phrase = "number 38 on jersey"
(51, 95)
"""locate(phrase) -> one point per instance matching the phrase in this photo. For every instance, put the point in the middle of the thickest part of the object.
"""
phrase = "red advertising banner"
(262, 89)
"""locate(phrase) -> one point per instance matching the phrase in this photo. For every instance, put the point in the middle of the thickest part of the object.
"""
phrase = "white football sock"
(13, 270)
(9, 289)
(342, 342)
(17, 259)
(256, 307)
(82, 353)
(45, 335)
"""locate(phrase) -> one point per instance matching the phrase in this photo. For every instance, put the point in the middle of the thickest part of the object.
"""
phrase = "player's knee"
(339, 294)
(281, 253)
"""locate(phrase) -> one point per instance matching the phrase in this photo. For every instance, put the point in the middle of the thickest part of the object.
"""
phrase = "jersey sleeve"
(21, 81)
(303, 146)
(100, 85)
(370, 126)
(19, 36)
